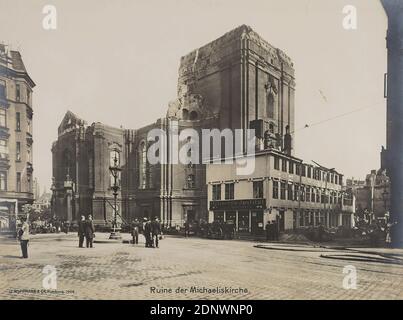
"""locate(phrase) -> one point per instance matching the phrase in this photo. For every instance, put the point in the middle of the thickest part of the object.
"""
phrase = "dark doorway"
(257, 222)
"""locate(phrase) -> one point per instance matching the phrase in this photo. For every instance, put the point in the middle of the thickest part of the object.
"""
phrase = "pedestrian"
(81, 231)
(135, 231)
(321, 232)
(89, 232)
(388, 230)
(187, 229)
(23, 236)
(147, 233)
(156, 231)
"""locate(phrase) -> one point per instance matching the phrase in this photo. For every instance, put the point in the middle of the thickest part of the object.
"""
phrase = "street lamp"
(115, 170)
(385, 195)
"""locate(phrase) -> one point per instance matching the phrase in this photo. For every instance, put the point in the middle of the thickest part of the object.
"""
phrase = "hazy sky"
(117, 62)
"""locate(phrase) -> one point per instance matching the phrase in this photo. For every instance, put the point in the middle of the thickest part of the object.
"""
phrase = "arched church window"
(185, 114)
(270, 106)
(191, 181)
(114, 155)
(193, 115)
(142, 165)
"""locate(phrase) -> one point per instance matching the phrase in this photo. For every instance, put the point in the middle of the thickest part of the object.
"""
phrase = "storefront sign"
(247, 204)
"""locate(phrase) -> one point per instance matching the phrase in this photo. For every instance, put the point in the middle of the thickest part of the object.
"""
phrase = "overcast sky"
(117, 62)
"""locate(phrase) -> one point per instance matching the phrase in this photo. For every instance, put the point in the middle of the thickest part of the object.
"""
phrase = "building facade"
(372, 195)
(282, 188)
(16, 142)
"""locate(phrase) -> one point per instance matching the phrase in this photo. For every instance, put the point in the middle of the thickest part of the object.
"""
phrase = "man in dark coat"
(81, 232)
(156, 231)
(147, 233)
(89, 232)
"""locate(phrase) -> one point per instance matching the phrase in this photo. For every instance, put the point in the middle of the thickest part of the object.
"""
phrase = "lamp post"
(385, 195)
(115, 170)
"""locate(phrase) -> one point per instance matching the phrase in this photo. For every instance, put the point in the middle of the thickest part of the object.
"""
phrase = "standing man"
(187, 229)
(81, 232)
(135, 231)
(89, 232)
(147, 232)
(23, 236)
(156, 230)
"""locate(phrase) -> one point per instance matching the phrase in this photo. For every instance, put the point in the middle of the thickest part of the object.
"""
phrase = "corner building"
(16, 135)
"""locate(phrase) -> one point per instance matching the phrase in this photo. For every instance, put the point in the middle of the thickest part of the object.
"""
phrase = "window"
(3, 118)
(17, 92)
(3, 181)
(297, 169)
(308, 194)
(332, 178)
(18, 181)
(296, 193)
(291, 167)
(270, 106)
(18, 121)
(229, 191)
(313, 195)
(216, 191)
(257, 189)
(284, 165)
(302, 193)
(282, 190)
(290, 193)
(2, 90)
(303, 170)
(276, 163)
(317, 195)
(18, 151)
(3, 149)
(191, 181)
(143, 166)
(309, 172)
(335, 179)
(275, 189)
(114, 154)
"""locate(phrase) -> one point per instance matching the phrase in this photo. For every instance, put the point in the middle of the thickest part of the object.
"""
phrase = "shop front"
(246, 215)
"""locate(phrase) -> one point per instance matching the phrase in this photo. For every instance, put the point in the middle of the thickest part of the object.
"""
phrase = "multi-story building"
(372, 195)
(281, 188)
(15, 132)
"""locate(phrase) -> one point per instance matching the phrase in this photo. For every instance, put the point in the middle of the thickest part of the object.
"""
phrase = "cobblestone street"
(124, 271)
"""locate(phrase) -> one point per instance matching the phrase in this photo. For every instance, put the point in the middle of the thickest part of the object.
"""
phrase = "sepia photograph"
(189, 150)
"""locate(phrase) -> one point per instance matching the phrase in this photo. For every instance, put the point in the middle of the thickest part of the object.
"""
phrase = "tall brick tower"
(243, 78)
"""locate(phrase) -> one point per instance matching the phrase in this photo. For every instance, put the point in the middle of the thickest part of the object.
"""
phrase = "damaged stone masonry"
(238, 81)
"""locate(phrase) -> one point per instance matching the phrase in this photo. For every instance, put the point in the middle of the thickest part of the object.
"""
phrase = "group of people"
(86, 230)
(272, 231)
(151, 231)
